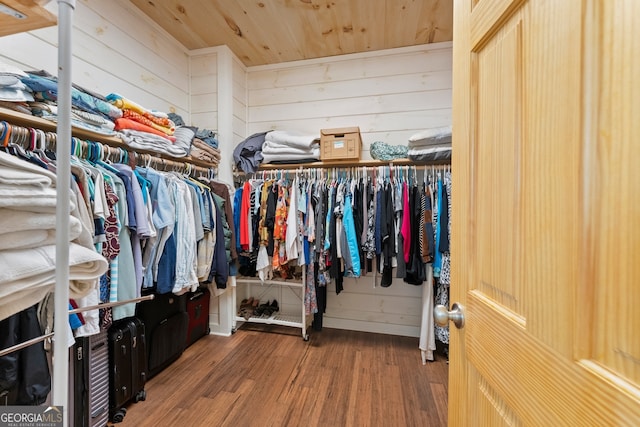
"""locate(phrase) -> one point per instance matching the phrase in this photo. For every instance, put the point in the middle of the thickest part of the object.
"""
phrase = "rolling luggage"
(198, 310)
(89, 374)
(127, 365)
(166, 321)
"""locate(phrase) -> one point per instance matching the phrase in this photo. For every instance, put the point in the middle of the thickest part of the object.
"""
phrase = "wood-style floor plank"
(268, 376)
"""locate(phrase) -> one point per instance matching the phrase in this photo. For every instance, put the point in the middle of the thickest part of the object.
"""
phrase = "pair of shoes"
(267, 309)
(247, 307)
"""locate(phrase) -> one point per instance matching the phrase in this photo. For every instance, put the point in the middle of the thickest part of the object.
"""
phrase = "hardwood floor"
(268, 376)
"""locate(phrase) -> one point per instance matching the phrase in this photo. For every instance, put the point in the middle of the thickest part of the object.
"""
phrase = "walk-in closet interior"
(183, 231)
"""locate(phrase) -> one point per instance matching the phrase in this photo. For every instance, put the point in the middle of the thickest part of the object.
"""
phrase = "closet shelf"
(344, 164)
(37, 16)
(25, 120)
(255, 281)
(299, 320)
(275, 319)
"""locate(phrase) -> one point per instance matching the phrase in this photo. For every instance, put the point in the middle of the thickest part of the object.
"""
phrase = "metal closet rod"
(27, 343)
(36, 340)
(110, 304)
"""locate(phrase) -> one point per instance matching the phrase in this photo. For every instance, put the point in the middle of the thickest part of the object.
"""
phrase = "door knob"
(441, 315)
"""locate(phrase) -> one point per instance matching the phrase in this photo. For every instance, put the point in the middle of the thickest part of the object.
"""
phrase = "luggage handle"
(98, 345)
(196, 295)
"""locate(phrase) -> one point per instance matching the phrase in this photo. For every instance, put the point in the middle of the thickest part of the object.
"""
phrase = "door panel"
(545, 208)
(613, 196)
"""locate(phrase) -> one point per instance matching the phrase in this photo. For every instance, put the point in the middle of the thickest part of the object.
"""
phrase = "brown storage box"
(340, 144)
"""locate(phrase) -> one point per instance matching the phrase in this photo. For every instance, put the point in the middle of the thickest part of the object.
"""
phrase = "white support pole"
(63, 184)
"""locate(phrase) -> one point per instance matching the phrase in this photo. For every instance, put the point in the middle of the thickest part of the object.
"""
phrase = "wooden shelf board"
(37, 17)
(24, 120)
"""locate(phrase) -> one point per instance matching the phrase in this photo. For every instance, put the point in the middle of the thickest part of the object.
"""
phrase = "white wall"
(115, 49)
(389, 94)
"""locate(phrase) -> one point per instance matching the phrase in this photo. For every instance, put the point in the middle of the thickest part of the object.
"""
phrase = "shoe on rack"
(260, 310)
(246, 308)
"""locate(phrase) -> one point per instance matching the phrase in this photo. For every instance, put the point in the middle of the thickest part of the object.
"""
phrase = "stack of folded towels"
(431, 144)
(27, 239)
(290, 147)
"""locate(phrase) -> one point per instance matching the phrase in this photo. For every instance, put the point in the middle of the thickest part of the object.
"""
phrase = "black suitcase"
(89, 374)
(198, 310)
(128, 365)
(166, 321)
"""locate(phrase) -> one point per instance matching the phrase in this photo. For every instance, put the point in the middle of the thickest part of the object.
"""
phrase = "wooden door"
(546, 213)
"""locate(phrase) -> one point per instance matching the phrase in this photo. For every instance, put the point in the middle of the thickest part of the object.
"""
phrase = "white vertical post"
(63, 172)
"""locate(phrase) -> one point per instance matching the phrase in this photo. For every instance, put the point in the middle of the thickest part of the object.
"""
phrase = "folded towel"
(24, 230)
(291, 138)
(27, 275)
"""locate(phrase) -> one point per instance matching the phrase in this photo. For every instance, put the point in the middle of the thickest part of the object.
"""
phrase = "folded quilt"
(123, 103)
(291, 138)
(434, 136)
(167, 129)
(27, 275)
(125, 123)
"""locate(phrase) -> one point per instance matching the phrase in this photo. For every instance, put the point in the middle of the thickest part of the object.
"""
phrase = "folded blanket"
(271, 147)
(27, 275)
(123, 103)
(197, 153)
(280, 157)
(148, 141)
(167, 128)
(125, 123)
(204, 146)
(434, 136)
(292, 139)
(429, 154)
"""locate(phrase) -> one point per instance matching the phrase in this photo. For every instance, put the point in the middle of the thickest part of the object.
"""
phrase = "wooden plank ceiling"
(272, 31)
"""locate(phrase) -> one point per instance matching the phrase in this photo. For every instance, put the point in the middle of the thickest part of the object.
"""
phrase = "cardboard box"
(340, 144)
